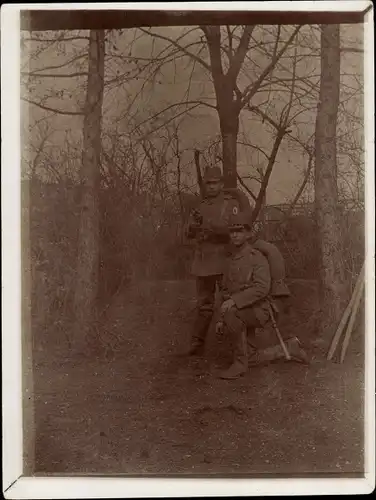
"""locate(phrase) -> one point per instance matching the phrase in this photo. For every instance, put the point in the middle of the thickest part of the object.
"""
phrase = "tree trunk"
(88, 247)
(228, 108)
(229, 125)
(332, 276)
(28, 344)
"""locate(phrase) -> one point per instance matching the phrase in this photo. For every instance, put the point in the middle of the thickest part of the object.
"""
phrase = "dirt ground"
(145, 410)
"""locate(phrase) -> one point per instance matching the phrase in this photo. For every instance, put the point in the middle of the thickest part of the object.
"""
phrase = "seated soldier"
(246, 291)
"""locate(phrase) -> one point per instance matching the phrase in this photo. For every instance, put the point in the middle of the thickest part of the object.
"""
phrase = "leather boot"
(297, 352)
(240, 365)
(200, 329)
(276, 352)
(196, 349)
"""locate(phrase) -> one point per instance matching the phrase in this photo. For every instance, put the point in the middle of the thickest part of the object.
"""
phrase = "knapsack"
(278, 288)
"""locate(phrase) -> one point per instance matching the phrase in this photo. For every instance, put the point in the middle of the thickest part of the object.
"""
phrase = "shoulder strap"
(224, 207)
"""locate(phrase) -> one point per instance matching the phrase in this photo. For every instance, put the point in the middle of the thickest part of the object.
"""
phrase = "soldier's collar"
(214, 199)
(239, 252)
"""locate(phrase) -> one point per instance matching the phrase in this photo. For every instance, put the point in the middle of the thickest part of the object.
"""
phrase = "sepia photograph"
(190, 203)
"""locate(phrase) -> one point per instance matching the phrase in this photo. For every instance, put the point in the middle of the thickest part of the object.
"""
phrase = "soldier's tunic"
(251, 281)
(210, 255)
(247, 282)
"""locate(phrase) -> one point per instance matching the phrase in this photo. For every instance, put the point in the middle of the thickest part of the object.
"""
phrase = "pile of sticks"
(349, 317)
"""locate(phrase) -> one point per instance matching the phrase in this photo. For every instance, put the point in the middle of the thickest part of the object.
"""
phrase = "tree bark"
(332, 276)
(229, 125)
(88, 247)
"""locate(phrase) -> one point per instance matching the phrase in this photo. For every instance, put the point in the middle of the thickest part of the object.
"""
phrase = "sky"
(182, 79)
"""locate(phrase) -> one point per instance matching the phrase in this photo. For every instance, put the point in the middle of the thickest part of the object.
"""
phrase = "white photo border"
(15, 484)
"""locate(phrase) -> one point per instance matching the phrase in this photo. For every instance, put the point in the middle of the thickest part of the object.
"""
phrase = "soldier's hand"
(203, 233)
(194, 226)
(219, 328)
(227, 304)
(200, 234)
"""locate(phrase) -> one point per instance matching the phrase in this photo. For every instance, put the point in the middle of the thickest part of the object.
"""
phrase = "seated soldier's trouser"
(241, 324)
(206, 286)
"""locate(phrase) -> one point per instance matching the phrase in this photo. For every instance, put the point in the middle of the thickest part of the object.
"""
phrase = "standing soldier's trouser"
(206, 286)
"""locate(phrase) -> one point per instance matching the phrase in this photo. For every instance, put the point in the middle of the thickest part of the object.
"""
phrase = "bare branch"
(244, 185)
(264, 116)
(185, 111)
(53, 110)
(48, 40)
(198, 172)
(284, 120)
(257, 148)
(197, 103)
(39, 150)
(265, 181)
(178, 46)
(352, 49)
(251, 90)
(241, 51)
(230, 37)
(59, 66)
(277, 41)
(301, 188)
(52, 75)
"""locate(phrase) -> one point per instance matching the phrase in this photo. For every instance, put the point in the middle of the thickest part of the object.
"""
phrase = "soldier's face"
(239, 236)
(213, 188)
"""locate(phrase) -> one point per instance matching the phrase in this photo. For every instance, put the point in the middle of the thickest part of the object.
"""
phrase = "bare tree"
(227, 55)
(332, 279)
(87, 263)
(230, 99)
(139, 155)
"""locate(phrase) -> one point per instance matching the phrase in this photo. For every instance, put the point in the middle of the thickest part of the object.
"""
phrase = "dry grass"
(146, 411)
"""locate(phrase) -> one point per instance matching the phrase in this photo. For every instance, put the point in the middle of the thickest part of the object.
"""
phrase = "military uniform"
(211, 252)
(248, 282)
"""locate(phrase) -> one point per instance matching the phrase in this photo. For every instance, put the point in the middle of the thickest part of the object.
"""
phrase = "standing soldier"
(209, 227)
(247, 290)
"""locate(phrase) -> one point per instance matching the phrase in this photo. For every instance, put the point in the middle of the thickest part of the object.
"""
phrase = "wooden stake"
(346, 315)
(350, 325)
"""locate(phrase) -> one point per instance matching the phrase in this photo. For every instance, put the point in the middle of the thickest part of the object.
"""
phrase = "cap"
(239, 221)
(213, 174)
